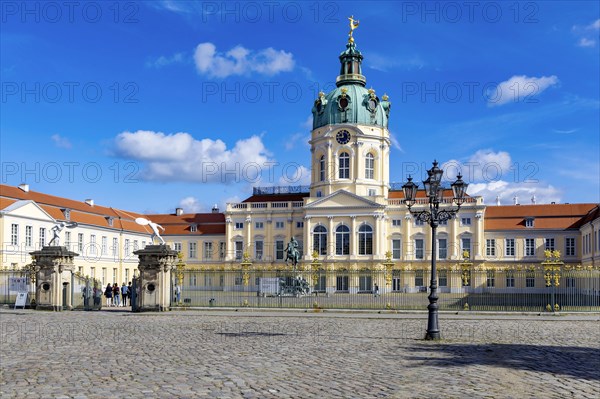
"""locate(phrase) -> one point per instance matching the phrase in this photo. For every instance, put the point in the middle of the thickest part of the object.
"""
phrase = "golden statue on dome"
(353, 25)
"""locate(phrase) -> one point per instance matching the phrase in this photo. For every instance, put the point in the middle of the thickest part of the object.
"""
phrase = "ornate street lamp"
(435, 193)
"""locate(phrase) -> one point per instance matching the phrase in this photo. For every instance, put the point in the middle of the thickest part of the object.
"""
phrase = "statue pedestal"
(54, 275)
(156, 262)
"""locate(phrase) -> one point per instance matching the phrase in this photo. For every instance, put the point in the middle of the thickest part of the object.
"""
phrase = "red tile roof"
(206, 223)
(553, 216)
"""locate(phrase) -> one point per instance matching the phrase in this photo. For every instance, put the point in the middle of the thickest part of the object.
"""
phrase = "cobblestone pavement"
(227, 354)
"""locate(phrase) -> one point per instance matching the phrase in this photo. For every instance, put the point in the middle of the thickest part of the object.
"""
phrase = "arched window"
(369, 166)
(344, 166)
(320, 240)
(322, 168)
(342, 240)
(365, 240)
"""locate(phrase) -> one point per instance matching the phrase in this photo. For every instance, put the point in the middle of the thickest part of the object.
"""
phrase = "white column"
(308, 247)
(353, 235)
(330, 237)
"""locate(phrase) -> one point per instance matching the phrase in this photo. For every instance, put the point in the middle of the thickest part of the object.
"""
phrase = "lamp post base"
(432, 336)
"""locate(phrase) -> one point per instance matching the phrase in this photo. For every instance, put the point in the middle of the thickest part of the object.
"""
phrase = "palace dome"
(351, 102)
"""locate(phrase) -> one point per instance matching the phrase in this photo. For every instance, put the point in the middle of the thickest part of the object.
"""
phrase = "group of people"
(117, 296)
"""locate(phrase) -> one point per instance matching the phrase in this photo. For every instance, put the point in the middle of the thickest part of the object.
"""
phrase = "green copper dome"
(350, 101)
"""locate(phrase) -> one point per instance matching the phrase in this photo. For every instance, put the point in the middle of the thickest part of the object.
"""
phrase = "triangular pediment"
(343, 199)
(28, 209)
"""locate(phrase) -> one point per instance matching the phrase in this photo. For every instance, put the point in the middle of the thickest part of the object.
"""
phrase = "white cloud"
(191, 205)
(489, 173)
(594, 25)
(61, 142)
(241, 61)
(300, 137)
(294, 174)
(520, 87)
(181, 157)
(163, 61)
(585, 42)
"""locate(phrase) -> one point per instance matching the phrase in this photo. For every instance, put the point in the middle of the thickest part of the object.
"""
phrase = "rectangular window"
(490, 247)
(509, 249)
(135, 245)
(279, 225)
(115, 246)
(419, 222)
(222, 250)
(396, 249)
(570, 246)
(341, 283)
(239, 225)
(258, 250)
(530, 279)
(193, 246)
(239, 250)
(490, 278)
(530, 247)
(365, 283)
(114, 275)
(93, 272)
(126, 275)
(208, 249)
(126, 249)
(550, 244)
(465, 245)
(67, 238)
(29, 236)
(104, 245)
(177, 246)
(442, 248)
(443, 277)
(443, 222)
(465, 221)
(193, 228)
(510, 279)
(80, 242)
(418, 278)
(104, 282)
(299, 225)
(529, 222)
(259, 225)
(570, 282)
(143, 244)
(419, 248)
(42, 236)
(372, 192)
(92, 244)
(279, 250)
(396, 222)
(14, 234)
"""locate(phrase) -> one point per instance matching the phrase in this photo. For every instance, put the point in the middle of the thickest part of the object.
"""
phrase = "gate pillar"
(154, 288)
(54, 271)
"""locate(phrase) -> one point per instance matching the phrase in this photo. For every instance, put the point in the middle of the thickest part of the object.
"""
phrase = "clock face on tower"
(343, 137)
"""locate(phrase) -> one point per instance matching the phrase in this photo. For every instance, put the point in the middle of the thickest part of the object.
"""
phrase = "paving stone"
(295, 355)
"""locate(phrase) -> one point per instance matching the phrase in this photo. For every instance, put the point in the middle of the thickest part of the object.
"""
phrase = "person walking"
(108, 293)
(116, 294)
(124, 294)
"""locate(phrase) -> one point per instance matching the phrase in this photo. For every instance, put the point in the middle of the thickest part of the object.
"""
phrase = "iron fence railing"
(467, 289)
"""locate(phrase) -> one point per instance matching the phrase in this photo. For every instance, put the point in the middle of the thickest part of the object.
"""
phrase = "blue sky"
(154, 105)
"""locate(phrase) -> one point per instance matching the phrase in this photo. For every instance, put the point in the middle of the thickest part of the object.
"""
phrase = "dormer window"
(193, 228)
(529, 222)
(67, 213)
(110, 221)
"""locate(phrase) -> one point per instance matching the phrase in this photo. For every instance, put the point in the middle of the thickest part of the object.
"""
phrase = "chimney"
(515, 200)
(497, 200)
(24, 187)
(533, 199)
(89, 201)
(215, 208)
(178, 211)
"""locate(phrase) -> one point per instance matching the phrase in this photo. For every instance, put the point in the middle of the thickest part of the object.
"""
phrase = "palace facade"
(350, 218)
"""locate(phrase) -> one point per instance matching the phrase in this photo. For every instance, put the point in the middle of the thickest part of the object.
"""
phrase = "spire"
(351, 59)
